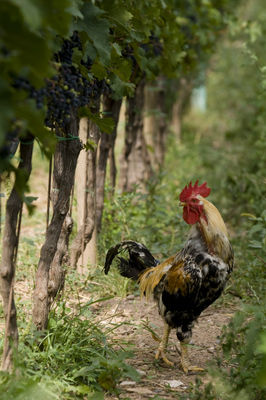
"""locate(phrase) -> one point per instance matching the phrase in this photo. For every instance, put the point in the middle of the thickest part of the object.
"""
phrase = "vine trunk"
(65, 160)
(9, 252)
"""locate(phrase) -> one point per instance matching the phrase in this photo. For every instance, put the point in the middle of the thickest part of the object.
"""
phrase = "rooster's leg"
(163, 345)
(185, 361)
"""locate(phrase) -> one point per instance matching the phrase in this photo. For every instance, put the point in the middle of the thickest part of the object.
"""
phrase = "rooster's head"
(191, 200)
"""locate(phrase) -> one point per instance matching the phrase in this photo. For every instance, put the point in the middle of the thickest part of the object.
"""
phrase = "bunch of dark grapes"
(68, 90)
(37, 94)
(128, 53)
(65, 54)
(156, 45)
(153, 47)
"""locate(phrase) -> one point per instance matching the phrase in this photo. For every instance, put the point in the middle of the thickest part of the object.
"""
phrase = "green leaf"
(29, 199)
(98, 70)
(96, 396)
(31, 12)
(90, 145)
(255, 244)
(122, 68)
(97, 30)
(120, 15)
(121, 88)
(55, 11)
(30, 49)
(84, 389)
(77, 57)
(74, 9)
(89, 50)
(33, 121)
(117, 48)
(106, 124)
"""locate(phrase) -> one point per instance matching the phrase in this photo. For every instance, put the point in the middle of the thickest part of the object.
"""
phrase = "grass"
(74, 357)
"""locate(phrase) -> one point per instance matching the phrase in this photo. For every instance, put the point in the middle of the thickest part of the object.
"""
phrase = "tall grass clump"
(72, 359)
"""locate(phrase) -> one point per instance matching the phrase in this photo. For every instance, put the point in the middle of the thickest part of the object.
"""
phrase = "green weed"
(73, 358)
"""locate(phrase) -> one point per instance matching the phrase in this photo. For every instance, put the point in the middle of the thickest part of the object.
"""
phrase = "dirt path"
(128, 318)
(157, 379)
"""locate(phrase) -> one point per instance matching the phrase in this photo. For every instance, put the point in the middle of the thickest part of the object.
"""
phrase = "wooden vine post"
(155, 122)
(86, 192)
(90, 181)
(9, 254)
(111, 108)
(135, 163)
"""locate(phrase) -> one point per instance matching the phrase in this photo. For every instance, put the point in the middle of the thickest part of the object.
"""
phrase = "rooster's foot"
(191, 368)
(163, 345)
(185, 361)
(160, 354)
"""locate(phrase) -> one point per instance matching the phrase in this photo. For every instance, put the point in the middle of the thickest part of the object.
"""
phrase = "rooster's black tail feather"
(139, 258)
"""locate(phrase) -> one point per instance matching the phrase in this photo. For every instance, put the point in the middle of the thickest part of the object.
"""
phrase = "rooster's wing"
(177, 281)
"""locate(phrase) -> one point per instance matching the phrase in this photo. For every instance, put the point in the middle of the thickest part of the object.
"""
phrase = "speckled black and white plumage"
(206, 278)
(190, 281)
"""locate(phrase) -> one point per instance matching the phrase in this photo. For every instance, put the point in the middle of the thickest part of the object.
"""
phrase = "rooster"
(188, 282)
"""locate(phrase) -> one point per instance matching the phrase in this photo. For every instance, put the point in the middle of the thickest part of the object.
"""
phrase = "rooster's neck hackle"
(214, 231)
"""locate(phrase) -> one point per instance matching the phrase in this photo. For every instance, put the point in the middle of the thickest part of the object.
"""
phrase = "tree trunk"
(135, 163)
(57, 270)
(155, 126)
(87, 200)
(65, 161)
(88, 258)
(106, 144)
(9, 250)
(184, 90)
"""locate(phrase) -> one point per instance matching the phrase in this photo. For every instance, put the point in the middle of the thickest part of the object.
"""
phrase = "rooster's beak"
(182, 204)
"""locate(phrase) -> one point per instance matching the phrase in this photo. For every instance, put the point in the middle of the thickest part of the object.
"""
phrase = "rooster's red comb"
(203, 190)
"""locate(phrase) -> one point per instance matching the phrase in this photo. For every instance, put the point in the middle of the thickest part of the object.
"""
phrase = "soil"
(158, 380)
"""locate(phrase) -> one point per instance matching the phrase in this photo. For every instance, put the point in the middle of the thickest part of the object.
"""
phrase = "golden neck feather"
(214, 231)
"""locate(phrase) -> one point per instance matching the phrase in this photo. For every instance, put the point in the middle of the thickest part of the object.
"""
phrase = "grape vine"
(68, 90)
(123, 40)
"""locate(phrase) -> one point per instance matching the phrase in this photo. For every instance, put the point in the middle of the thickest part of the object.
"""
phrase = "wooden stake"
(72, 199)
(84, 211)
